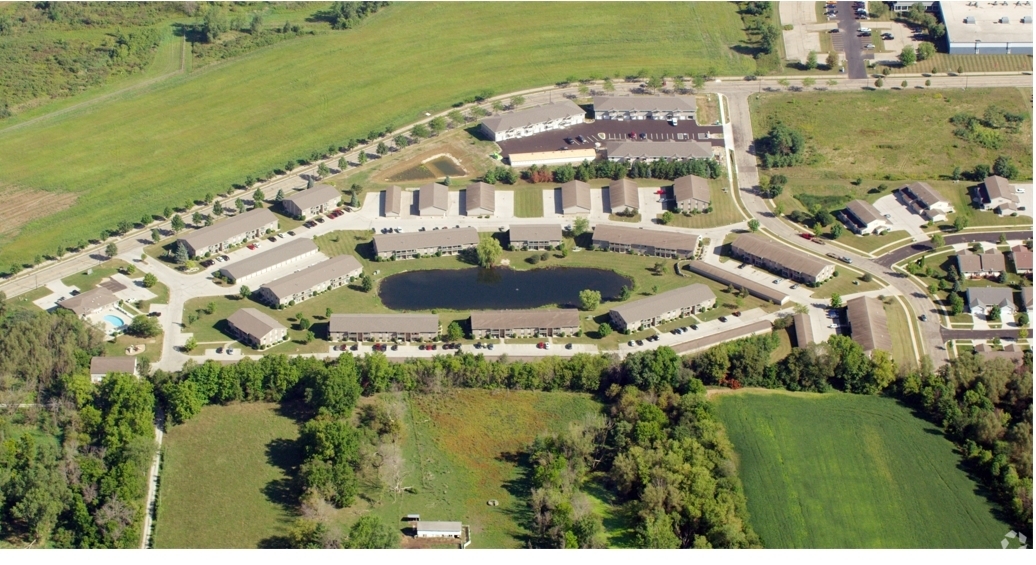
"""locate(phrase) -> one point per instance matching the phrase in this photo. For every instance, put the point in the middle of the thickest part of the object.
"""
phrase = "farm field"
(463, 448)
(226, 478)
(867, 475)
(204, 138)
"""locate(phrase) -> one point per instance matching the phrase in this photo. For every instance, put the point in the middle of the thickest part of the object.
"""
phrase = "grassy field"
(462, 448)
(866, 474)
(226, 478)
(200, 132)
(528, 203)
(899, 329)
(945, 63)
(869, 243)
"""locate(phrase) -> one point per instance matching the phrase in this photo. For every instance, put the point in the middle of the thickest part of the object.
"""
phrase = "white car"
(631, 344)
(833, 326)
(1019, 190)
(230, 351)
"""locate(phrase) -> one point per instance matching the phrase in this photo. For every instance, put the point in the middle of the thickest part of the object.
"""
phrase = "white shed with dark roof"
(623, 196)
(433, 199)
(393, 196)
(575, 197)
(479, 199)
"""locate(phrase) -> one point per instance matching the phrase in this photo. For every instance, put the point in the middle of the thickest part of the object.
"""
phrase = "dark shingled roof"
(86, 302)
(319, 194)
(388, 243)
(399, 323)
(105, 365)
(869, 324)
(665, 239)
(230, 227)
(393, 200)
(760, 246)
(312, 276)
(690, 295)
(623, 192)
(253, 322)
(517, 319)
(633, 150)
(575, 193)
(535, 232)
(433, 196)
(691, 187)
(803, 329)
(480, 195)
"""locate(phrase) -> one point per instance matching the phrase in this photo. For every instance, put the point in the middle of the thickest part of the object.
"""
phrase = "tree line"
(664, 169)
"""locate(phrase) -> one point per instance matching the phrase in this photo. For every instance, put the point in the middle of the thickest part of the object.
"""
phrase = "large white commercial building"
(523, 123)
(988, 28)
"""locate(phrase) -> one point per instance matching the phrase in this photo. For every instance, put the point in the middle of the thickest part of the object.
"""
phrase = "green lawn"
(724, 209)
(849, 471)
(945, 63)
(462, 448)
(899, 329)
(90, 278)
(528, 203)
(206, 130)
(227, 478)
(870, 243)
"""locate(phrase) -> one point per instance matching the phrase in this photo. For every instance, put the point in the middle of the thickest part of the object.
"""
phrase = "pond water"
(442, 166)
(496, 289)
(445, 166)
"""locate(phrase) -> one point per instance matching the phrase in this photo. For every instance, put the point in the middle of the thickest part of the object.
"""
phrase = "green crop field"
(202, 132)
(226, 478)
(849, 471)
(461, 449)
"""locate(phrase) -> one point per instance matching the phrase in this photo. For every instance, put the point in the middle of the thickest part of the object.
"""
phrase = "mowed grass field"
(462, 448)
(202, 132)
(852, 471)
(225, 478)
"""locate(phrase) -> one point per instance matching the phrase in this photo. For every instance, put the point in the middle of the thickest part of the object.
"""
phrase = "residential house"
(1021, 256)
(691, 192)
(304, 284)
(623, 196)
(393, 197)
(433, 199)
(535, 236)
(575, 197)
(781, 259)
(1027, 298)
(267, 261)
(981, 301)
(480, 199)
(91, 301)
(995, 193)
(644, 108)
(863, 218)
(657, 243)
(524, 323)
(312, 202)
(102, 366)
(410, 245)
(523, 123)
(660, 308)
(229, 232)
(1011, 352)
(868, 324)
(628, 151)
(924, 201)
(980, 265)
(255, 328)
(383, 327)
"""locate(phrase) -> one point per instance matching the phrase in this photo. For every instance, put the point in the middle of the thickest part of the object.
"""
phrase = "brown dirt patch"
(22, 205)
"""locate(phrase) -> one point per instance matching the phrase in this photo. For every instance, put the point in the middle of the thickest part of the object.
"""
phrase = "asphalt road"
(897, 255)
(1008, 333)
(848, 26)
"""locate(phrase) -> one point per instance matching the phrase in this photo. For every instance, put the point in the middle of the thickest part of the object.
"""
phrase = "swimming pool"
(115, 321)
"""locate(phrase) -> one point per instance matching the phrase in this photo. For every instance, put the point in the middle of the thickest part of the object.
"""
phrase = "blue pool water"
(115, 321)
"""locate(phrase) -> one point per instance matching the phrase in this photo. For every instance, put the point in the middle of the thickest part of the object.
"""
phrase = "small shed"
(427, 529)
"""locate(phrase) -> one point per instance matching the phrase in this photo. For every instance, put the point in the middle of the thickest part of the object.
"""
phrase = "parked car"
(640, 342)
(869, 46)
(291, 233)
(736, 313)
(805, 235)
(273, 239)
(569, 140)
(924, 317)
(694, 327)
(794, 286)
(489, 346)
(742, 265)
(251, 246)
(723, 318)
(154, 314)
(832, 255)
(643, 135)
(847, 260)
(776, 281)
(568, 346)
(219, 350)
(833, 326)
(580, 139)
(630, 343)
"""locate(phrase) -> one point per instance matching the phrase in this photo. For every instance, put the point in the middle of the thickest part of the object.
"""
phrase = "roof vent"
(1005, 20)
(969, 20)
(1027, 20)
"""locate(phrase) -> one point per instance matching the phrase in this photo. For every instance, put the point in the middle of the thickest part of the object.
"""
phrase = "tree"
(214, 24)
(144, 326)
(698, 82)
(419, 131)
(994, 313)
(197, 219)
(879, 83)
(111, 250)
(369, 532)
(753, 225)
(956, 304)
(517, 101)
(811, 60)
(366, 283)
(938, 241)
(960, 223)
(1004, 167)
(245, 292)
(908, 56)
(837, 230)
(454, 331)
(190, 345)
(928, 83)
(178, 224)
(782, 146)
(604, 330)
(580, 226)
(836, 300)
(323, 170)
(903, 84)
(217, 208)
(925, 51)
(809, 82)
(181, 256)
(400, 141)
(489, 252)
(167, 213)
(343, 164)
(150, 280)
(240, 205)
(255, 27)
(361, 157)
(258, 197)
(382, 148)
(667, 217)
(589, 300)
(832, 60)
(437, 124)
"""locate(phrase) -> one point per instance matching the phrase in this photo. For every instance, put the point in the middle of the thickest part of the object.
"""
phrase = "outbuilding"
(427, 529)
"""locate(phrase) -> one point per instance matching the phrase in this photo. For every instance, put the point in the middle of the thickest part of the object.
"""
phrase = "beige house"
(863, 218)
(657, 243)
(480, 199)
(249, 268)
(691, 192)
(393, 196)
(383, 327)
(229, 232)
(781, 259)
(312, 201)
(433, 199)
(255, 328)
(410, 245)
(981, 265)
(660, 308)
(88, 302)
(101, 366)
(523, 123)
(535, 236)
(304, 284)
(995, 193)
(924, 201)
(575, 197)
(623, 196)
(524, 323)
(869, 324)
(1022, 259)
(644, 108)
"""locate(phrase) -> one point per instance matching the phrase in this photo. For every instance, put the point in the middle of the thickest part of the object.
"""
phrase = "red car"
(806, 235)
(251, 246)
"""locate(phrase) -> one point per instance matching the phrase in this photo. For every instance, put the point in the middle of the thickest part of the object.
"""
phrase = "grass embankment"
(850, 137)
(226, 478)
(211, 328)
(463, 448)
(848, 471)
(210, 137)
(945, 63)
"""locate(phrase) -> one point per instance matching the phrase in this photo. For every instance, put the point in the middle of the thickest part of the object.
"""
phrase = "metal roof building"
(987, 28)
(269, 260)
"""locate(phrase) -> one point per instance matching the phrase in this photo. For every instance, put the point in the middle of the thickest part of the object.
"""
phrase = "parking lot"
(599, 132)
(901, 217)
